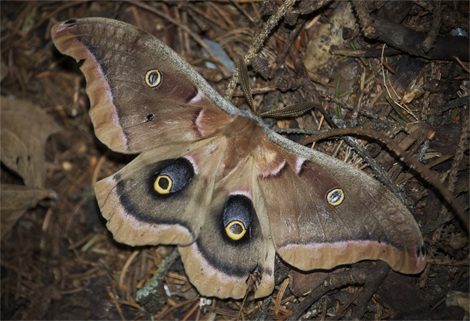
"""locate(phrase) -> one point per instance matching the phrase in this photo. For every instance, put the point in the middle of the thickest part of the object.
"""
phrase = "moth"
(215, 180)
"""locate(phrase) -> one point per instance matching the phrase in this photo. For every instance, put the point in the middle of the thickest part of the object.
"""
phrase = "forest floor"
(58, 260)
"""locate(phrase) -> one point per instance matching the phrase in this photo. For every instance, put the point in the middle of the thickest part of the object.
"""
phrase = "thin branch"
(256, 46)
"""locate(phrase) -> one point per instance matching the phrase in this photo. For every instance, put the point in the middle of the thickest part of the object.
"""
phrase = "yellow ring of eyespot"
(156, 83)
(233, 236)
(338, 201)
(160, 190)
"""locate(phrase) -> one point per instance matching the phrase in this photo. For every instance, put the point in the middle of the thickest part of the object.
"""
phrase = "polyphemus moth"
(215, 180)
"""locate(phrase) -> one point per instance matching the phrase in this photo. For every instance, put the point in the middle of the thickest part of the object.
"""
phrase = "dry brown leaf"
(16, 199)
(24, 131)
(328, 35)
(460, 299)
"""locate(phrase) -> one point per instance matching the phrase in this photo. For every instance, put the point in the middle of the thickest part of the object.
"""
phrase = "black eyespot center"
(236, 228)
(149, 117)
(164, 182)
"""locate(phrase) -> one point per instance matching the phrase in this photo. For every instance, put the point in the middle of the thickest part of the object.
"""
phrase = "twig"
(430, 165)
(124, 269)
(424, 4)
(188, 30)
(256, 46)
(190, 312)
(459, 102)
(366, 22)
(264, 309)
(436, 26)
(162, 314)
(153, 291)
(390, 95)
(116, 304)
(348, 303)
(298, 131)
(287, 43)
(208, 17)
(461, 64)
(405, 39)
(371, 53)
(307, 7)
(457, 159)
(239, 7)
(371, 286)
(334, 281)
(280, 294)
(96, 170)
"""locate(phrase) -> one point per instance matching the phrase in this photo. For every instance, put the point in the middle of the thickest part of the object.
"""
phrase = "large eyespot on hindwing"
(153, 78)
(335, 196)
(237, 217)
(174, 177)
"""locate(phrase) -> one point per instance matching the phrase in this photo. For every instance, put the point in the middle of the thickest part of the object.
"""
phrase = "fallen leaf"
(24, 129)
(16, 199)
(328, 35)
(460, 299)
(457, 241)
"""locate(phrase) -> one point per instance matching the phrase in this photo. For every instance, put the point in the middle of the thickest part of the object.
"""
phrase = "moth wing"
(219, 263)
(196, 215)
(142, 93)
(324, 213)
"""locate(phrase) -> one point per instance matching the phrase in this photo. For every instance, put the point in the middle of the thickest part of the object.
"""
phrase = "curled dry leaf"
(16, 199)
(24, 131)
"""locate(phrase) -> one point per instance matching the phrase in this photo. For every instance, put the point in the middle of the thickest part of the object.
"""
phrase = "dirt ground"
(400, 68)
